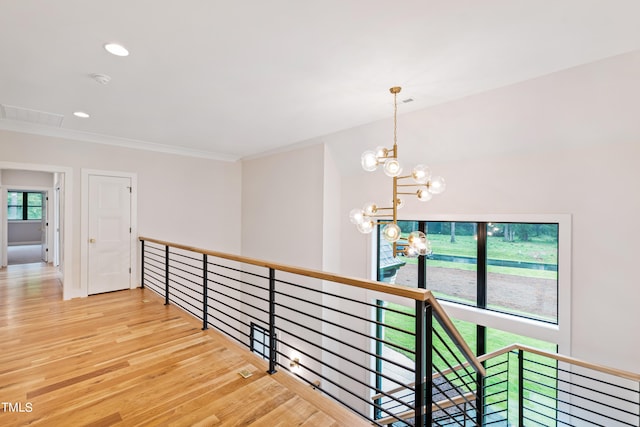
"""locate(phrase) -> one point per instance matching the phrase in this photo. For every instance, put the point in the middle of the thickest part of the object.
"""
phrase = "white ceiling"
(235, 78)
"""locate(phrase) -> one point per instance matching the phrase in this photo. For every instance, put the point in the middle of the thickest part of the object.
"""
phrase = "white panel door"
(109, 254)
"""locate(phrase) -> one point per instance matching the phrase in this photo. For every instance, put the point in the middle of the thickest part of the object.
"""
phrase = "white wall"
(189, 200)
(282, 194)
(24, 233)
(26, 178)
(282, 207)
(290, 214)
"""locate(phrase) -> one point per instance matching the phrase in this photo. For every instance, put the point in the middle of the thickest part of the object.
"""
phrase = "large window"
(22, 206)
(506, 267)
(500, 282)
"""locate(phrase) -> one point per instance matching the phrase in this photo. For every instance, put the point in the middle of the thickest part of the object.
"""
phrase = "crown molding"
(95, 138)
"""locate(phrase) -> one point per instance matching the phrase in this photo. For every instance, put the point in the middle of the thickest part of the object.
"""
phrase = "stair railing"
(319, 327)
(552, 389)
(524, 385)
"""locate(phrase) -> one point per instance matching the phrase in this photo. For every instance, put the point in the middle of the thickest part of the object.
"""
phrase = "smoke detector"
(103, 79)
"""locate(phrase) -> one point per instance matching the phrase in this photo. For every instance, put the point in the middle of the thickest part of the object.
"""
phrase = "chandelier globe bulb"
(410, 252)
(418, 242)
(416, 237)
(392, 167)
(423, 195)
(437, 185)
(421, 174)
(366, 227)
(381, 152)
(370, 209)
(356, 216)
(391, 233)
(369, 161)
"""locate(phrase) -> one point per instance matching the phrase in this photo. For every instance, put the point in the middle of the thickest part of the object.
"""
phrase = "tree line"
(510, 232)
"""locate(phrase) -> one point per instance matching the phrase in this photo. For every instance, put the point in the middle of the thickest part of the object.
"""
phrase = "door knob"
(92, 240)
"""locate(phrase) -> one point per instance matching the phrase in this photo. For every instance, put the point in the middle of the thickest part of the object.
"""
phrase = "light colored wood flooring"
(125, 359)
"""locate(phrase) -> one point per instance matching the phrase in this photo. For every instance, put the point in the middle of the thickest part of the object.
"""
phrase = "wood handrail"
(397, 290)
(455, 336)
(571, 360)
(435, 406)
(514, 347)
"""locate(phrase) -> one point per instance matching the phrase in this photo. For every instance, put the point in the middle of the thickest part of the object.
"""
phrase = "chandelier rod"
(395, 90)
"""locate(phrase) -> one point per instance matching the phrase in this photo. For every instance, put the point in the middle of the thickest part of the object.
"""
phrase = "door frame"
(67, 268)
(84, 225)
(57, 223)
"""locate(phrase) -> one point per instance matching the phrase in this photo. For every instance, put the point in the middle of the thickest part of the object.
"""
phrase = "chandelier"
(419, 184)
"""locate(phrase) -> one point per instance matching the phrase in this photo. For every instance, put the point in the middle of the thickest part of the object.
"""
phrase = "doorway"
(27, 226)
(63, 182)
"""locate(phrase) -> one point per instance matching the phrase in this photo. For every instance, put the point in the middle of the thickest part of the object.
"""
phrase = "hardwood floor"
(125, 359)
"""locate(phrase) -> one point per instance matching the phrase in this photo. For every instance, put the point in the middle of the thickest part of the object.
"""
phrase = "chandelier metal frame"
(424, 186)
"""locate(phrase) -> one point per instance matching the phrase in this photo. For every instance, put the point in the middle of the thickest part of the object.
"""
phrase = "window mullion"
(481, 270)
(25, 206)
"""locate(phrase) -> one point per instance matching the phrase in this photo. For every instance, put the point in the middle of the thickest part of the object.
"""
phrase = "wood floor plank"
(126, 359)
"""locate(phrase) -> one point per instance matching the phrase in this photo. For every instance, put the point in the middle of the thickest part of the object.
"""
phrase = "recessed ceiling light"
(81, 114)
(116, 49)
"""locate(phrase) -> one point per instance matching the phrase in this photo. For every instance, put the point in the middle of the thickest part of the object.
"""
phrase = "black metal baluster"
(520, 387)
(166, 275)
(142, 265)
(428, 373)
(272, 322)
(205, 287)
(481, 348)
(423, 363)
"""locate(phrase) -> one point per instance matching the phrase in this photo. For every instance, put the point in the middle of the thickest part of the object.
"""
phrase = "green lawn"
(537, 249)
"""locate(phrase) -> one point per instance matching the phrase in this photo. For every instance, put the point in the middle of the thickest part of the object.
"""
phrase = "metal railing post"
(272, 322)
(205, 287)
(142, 265)
(480, 400)
(423, 381)
(428, 343)
(166, 275)
(481, 348)
(520, 387)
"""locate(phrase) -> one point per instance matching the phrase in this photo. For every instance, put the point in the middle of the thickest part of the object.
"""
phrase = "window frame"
(25, 205)
(559, 333)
